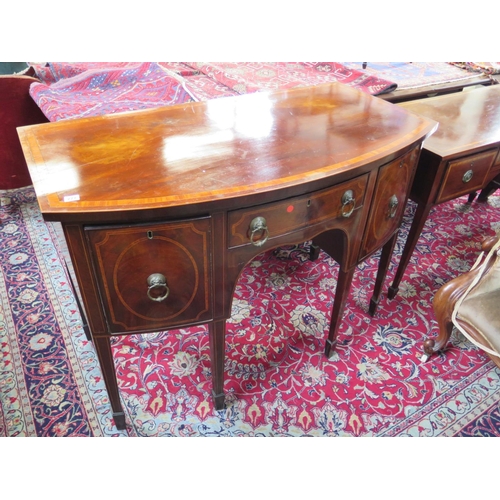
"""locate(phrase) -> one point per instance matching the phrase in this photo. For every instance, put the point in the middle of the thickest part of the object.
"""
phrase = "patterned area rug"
(95, 89)
(489, 68)
(278, 382)
(411, 75)
(247, 77)
(77, 90)
(52, 72)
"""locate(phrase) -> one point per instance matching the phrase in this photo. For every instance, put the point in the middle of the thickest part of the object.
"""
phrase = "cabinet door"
(389, 201)
(153, 276)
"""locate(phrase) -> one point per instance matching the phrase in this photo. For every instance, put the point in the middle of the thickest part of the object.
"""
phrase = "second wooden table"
(460, 158)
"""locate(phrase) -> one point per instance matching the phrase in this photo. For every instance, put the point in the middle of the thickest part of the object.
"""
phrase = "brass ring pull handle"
(348, 203)
(158, 282)
(393, 206)
(467, 176)
(258, 225)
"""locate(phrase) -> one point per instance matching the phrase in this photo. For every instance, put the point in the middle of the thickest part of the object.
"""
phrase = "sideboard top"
(468, 120)
(213, 150)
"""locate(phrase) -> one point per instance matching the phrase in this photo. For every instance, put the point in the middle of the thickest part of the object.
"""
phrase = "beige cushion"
(481, 307)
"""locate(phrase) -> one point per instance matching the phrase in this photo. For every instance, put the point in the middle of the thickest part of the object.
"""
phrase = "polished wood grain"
(177, 190)
(469, 120)
(461, 157)
(222, 149)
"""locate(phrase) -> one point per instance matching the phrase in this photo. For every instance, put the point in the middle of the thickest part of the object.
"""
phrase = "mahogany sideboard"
(462, 157)
(162, 209)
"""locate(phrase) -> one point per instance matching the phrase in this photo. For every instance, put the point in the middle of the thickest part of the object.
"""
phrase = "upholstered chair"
(471, 304)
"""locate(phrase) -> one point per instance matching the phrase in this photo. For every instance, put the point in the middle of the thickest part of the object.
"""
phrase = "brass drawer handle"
(158, 282)
(393, 206)
(259, 225)
(348, 203)
(467, 176)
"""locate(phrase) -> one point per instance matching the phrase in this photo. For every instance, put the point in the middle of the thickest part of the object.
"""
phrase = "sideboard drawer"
(285, 217)
(465, 175)
(153, 276)
(391, 193)
(495, 169)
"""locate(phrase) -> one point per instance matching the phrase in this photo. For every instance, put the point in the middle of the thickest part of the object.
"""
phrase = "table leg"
(105, 356)
(85, 325)
(416, 229)
(341, 293)
(383, 265)
(314, 252)
(217, 334)
(489, 189)
(471, 197)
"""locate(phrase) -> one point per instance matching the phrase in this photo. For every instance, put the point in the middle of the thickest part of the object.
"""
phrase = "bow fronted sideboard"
(162, 208)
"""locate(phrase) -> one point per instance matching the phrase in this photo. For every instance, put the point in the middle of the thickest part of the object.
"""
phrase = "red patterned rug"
(278, 382)
(80, 90)
(52, 72)
(247, 77)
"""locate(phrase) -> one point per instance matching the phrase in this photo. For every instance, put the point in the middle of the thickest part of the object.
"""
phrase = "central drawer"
(153, 276)
(263, 223)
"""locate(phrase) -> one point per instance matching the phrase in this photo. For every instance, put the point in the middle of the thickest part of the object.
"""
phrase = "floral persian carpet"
(277, 379)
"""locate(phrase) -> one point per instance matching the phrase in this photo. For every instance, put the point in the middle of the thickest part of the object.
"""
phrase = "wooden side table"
(460, 158)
